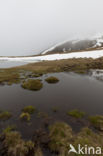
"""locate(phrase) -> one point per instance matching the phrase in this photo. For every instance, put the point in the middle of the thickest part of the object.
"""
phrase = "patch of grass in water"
(76, 113)
(25, 116)
(32, 85)
(37, 74)
(5, 115)
(97, 121)
(52, 79)
(60, 135)
(29, 109)
(55, 109)
(9, 128)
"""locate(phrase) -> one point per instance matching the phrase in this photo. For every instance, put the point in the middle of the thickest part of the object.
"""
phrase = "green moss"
(5, 115)
(97, 121)
(76, 113)
(32, 85)
(29, 109)
(52, 79)
(25, 116)
(9, 128)
(60, 135)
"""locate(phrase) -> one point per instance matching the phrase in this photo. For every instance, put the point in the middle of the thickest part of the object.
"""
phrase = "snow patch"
(88, 54)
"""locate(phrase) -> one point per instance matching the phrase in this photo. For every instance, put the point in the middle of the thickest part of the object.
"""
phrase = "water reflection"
(97, 74)
(9, 64)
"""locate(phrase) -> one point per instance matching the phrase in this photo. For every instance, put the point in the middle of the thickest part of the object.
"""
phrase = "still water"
(9, 64)
(83, 92)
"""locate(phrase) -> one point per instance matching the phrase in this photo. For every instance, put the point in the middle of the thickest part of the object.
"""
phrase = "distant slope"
(76, 45)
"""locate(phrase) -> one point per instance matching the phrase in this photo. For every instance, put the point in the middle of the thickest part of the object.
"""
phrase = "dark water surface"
(72, 92)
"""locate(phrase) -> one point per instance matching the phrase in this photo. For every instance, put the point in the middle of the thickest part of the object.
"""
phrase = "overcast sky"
(30, 26)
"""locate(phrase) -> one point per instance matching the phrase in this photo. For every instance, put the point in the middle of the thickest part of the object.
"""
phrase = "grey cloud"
(29, 26)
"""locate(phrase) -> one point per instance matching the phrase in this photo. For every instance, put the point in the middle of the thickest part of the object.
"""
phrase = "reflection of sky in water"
(97, 74)
(8, 64)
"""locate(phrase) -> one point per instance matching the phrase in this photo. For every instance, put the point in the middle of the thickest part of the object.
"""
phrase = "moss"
(97, 121)
(32, 85)
(60, 135)
(5, 115)
(76, 113)
(52, 79)
(29, 109)
(9, 128)
(25, 116)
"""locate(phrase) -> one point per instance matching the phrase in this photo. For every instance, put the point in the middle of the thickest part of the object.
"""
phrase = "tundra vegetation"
(76, 113)
(26, 112)
(52, 79)
(29, 109)
(97, 121)
(25, 116)
(5, 115)
(32, 85)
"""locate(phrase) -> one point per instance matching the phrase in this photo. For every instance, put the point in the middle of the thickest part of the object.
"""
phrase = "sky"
(28, 27)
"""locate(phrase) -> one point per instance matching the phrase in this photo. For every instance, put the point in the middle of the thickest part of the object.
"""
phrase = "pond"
(73, 91)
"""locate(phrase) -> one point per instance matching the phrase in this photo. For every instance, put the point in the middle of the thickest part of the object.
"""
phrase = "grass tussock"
(52, 79)
(29, 109)
(38, 152)
(25, 116)
(97, 121)
(60, 135)
(9, 129)
(5, 115)
(34, 85)
(76, 113)
(14, 145)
